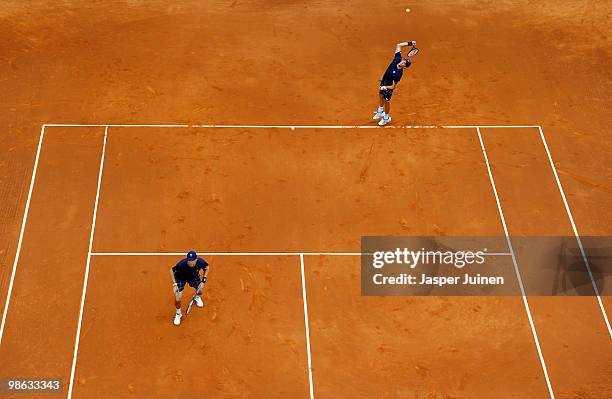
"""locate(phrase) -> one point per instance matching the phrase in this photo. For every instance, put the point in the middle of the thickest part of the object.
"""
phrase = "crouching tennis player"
(389, 81)
(187, 271)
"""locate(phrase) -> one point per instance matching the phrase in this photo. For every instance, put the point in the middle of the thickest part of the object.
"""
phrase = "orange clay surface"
(307, 190)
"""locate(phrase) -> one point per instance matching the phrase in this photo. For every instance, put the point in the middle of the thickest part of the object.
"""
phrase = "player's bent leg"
(178, 293)
(177, 299)
(379, 112)
(386, 118)
(178, 314)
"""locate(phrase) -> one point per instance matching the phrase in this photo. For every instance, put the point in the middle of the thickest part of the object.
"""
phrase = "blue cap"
(191, 255)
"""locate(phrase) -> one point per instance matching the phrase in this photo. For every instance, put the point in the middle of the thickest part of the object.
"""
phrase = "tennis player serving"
(390, 79)
(187, 271)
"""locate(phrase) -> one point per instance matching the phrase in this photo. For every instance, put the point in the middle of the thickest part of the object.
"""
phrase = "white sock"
(380, 109)
(178, 311)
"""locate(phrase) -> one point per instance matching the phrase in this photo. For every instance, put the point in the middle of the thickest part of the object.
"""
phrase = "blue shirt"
(393, 73)
(185, 273)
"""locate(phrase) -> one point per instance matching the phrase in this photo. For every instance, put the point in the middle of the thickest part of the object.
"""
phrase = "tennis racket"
(191, 303)
(413, 51)
(197, 291)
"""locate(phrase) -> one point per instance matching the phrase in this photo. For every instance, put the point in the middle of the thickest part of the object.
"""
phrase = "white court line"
(86, 277)
(578, 239)
(23, 224)
(110, 125)
(226, 253)
(256, 254)
(305, 301)
(516, 269)
(292, 126)
(358, 126)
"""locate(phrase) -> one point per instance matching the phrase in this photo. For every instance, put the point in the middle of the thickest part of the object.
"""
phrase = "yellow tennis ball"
(407, 9)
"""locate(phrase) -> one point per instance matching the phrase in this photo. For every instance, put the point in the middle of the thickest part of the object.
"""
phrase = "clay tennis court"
(137, 131)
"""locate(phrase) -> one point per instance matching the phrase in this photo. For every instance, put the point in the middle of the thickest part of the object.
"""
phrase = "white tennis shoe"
(199, 302)
(177, 319)
(386, 119)
(378, 115)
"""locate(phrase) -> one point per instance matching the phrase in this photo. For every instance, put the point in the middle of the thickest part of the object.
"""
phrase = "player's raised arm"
(400, 46)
